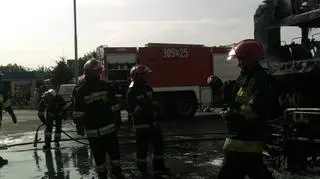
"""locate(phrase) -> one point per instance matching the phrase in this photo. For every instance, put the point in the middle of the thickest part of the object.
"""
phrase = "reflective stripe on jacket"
(243, 146)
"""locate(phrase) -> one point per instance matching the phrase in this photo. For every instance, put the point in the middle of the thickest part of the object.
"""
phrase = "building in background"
(20, 86)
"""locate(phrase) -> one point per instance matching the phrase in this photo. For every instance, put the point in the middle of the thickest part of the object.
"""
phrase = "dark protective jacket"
(6, 105)
(57, 108)
(96, 105)
(251, 106)
(141, 105)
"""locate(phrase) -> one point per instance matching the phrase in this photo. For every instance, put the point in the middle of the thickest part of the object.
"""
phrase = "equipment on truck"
(296, 73)
(179, 74)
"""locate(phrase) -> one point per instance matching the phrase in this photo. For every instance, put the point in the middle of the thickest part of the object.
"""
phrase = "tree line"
(59, 74)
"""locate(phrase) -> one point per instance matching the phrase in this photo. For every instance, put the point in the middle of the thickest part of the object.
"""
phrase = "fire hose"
(181, 138)
(36, 141)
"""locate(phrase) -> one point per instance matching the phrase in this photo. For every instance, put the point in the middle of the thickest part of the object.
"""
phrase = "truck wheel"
(186, 105)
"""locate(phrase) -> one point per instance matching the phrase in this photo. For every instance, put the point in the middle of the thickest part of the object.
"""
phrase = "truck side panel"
(175, 66)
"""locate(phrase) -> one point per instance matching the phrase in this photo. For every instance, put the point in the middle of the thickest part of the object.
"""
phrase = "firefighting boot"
(116, 170)
(3, 161)
(103, 175)
(159, 166)
(142, 167)
(57, 144)
(46, 146)
(118, 176)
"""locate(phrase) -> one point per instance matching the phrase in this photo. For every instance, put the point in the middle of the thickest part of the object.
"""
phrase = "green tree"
(89, 55)
(47, 71)
(61, 73)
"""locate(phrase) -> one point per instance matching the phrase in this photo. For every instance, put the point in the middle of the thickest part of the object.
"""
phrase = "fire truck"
(179, 72)
(295, 69)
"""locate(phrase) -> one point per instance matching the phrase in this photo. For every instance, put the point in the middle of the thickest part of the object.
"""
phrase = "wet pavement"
(188, 156)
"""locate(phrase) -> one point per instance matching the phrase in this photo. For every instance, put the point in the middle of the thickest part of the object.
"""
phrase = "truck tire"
(186, 104)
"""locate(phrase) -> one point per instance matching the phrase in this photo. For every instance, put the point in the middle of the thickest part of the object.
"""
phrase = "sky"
(38, 32)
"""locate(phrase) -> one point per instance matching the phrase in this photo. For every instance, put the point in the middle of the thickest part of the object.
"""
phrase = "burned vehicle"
(295, 139)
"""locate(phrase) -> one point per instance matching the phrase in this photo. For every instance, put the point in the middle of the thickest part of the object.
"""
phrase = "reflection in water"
(51, 173)
(82, 161)
(36, 158)
(196, 159)
(217, 162)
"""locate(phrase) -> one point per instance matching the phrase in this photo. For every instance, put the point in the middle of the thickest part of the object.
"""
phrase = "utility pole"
(76, 64)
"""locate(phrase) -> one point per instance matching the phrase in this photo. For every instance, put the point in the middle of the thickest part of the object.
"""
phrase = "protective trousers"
(79, 127)
(143, 138)
(99, 146)
(237, 165)
(48, 130)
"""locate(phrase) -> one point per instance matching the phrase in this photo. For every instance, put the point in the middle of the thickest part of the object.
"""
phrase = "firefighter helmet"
(211, 79)
(139, 70)
(248, 52)
(93, 67)
(49, 95)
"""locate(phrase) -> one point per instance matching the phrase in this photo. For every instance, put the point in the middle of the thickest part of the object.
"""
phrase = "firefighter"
(145, 113)
(55, 107)
(250, 109)
(6, 105)
(79, 127)
(215, 84)
(97, 109)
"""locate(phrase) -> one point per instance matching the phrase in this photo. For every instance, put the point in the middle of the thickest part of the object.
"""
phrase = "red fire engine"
(179, 72)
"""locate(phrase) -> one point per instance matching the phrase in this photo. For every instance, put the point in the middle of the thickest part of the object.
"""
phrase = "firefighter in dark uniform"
(6, 105)
(145, 113)
(97, 109)
(250, 110)
(215, 84)
(79, 127)
(52, 107)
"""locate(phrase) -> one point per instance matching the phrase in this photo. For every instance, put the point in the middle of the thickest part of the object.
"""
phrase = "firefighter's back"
(96, 97)
(141, 100)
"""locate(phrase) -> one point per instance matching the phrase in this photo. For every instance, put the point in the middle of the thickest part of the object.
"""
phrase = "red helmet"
(247, 51)
(139, 70)
(93, 67)
(49, 95)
